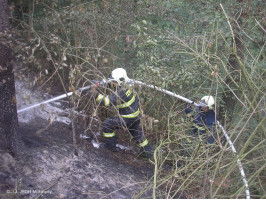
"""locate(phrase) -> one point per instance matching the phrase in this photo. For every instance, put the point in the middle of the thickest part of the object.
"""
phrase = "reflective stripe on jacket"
(201, 120)
(124, 99)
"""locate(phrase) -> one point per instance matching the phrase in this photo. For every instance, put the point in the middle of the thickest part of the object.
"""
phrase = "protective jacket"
(124, 99)
(129, 117)
(202, 121)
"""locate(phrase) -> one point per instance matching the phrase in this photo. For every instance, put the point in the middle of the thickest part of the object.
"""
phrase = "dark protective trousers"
(133, 126)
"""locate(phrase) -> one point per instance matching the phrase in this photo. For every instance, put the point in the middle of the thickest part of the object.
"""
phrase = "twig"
(260, 25)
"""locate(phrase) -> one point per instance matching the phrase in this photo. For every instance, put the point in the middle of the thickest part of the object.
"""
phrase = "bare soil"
(49, 168)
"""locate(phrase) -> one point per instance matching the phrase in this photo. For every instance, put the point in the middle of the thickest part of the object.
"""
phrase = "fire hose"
(245, 182)
(102, 83)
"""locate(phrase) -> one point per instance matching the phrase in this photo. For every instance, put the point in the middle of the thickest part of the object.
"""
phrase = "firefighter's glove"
(96, 83)
(99, 83)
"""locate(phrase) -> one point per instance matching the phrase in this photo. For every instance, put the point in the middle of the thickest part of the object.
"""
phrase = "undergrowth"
(73, 44)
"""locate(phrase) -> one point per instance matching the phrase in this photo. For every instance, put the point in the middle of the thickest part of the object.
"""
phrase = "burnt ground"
(48, 167)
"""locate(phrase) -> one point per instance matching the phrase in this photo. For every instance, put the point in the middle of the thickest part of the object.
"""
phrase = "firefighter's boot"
(148, 152)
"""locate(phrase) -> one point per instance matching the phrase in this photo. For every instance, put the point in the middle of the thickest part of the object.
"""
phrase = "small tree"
(8, 108)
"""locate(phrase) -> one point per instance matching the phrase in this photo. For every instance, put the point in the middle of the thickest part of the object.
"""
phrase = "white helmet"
(119, 75)
(209, 101)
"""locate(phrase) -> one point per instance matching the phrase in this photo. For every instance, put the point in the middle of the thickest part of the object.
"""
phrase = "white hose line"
(218, 123)
(51, 100)
(45, 102)
(171, 94)
(238, 161)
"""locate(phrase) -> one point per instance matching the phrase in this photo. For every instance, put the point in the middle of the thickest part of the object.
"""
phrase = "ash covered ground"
(48, 167)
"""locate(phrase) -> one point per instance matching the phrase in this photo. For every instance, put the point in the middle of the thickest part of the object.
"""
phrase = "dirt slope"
(48, 168)
(49, 164)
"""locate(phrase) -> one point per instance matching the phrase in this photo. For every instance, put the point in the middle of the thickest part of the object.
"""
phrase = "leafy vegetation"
(193, 48)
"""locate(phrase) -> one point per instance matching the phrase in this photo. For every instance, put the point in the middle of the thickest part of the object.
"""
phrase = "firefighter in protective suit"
(129, 116)
(203, 118)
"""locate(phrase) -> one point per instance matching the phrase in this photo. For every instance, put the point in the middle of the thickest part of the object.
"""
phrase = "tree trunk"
(8, 107)
(226, 113)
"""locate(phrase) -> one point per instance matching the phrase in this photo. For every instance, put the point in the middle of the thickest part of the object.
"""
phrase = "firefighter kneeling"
(129, 114)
